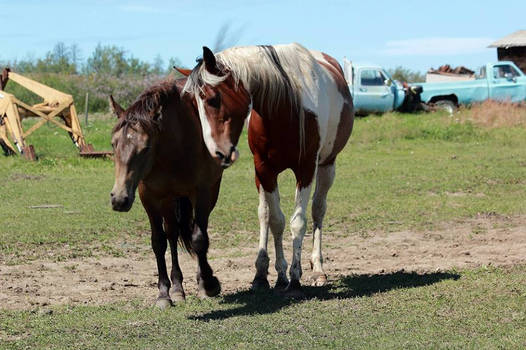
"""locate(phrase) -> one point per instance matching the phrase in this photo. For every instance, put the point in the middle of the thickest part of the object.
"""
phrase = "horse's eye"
(215, 101)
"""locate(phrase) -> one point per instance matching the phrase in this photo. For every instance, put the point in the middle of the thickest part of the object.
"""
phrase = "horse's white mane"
(269, 73)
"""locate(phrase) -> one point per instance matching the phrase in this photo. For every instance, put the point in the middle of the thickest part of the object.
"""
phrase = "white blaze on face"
(205, 126)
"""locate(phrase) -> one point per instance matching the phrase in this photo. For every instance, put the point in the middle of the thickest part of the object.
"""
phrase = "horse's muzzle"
(228, 160)
(121, 203)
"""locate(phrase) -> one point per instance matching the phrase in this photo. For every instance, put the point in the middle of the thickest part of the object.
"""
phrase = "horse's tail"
(185, 220)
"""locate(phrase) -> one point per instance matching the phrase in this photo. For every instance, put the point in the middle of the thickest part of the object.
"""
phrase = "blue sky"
(415, 34)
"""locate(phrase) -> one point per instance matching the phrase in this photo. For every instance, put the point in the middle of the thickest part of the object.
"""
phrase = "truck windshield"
(372, 77)
(500, 71)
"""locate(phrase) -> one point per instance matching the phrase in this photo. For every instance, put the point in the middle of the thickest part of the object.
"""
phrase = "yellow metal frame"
(55, 104)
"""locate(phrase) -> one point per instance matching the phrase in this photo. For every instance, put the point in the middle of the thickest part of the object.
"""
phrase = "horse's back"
(316, 81)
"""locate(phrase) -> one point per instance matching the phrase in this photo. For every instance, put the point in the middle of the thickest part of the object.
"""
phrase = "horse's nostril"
(112, 194)
(220, 155)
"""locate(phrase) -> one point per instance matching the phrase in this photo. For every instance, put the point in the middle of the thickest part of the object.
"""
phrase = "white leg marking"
(324, 180)
(277, 225)
(264, 215)
(298, 226)
(270, 216)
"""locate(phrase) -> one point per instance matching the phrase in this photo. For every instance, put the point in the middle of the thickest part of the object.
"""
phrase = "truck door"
(371, 91)
(504, 84)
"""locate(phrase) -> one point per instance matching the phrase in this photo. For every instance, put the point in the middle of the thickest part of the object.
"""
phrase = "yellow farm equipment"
(55, 104)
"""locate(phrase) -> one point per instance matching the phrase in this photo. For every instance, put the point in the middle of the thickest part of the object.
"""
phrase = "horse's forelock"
(200, 77)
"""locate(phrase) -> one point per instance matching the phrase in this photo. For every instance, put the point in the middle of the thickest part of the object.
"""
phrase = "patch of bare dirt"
(487, 240)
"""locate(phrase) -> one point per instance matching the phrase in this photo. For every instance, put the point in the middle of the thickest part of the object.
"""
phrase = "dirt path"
(485, 241)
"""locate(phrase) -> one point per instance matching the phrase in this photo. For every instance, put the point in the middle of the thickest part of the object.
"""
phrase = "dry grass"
(495, 114)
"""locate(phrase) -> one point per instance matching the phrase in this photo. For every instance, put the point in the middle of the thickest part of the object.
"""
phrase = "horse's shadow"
(265, 302)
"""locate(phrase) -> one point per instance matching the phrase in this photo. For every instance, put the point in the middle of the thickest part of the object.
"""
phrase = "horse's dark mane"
(145, 108)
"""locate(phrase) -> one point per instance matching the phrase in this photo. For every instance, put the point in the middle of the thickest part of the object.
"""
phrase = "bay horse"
(302, 116)
(158, 147)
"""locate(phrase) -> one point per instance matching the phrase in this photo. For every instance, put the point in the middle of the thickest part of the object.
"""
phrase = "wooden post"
(86, 109)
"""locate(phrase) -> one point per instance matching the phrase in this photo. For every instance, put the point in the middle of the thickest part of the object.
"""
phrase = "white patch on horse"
(207, 130)
(328, 110)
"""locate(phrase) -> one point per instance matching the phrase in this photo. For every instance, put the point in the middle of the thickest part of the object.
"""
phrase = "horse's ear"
(210, 60)
(116, 108)
(185, 72)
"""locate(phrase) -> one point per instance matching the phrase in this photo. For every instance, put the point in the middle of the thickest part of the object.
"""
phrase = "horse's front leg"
(270, 216)
(152, 205)
(159, 246)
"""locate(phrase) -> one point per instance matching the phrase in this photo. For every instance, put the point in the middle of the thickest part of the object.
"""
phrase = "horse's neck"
(180, 129)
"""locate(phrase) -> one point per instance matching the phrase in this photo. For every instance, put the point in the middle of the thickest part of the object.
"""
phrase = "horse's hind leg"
(177, 291)
(298, 226)
(324, 180)
(208, 284)
(172, 232)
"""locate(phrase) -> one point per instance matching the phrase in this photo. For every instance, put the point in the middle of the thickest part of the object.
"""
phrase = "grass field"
(417, 173)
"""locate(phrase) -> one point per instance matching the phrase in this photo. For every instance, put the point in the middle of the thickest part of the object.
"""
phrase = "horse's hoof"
(163, 303)
(209, 288)
(294, 290)
(281, 283)
(178, 297)
(260, 283)
(319, 280)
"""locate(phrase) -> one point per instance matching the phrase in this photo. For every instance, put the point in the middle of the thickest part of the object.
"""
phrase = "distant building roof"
(516, 39)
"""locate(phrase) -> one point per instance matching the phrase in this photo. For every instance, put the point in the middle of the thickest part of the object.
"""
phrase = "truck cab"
(506, 82)
(502, 81)
(372, 88)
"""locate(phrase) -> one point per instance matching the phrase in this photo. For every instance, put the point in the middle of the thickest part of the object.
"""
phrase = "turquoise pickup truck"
(502, 81)
(374, 91)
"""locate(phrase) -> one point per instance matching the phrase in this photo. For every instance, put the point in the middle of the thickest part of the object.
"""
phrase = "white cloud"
(436, 46)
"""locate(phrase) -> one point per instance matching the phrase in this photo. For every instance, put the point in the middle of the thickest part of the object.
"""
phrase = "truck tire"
(446, 105)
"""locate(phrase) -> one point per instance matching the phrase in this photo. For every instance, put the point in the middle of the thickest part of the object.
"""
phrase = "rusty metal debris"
(448, 73)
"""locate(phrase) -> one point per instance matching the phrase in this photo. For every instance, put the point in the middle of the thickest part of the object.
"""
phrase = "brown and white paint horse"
(302, 116)
(159, 148)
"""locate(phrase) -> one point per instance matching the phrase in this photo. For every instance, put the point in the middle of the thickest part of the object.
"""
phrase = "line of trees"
(105, 59)
(107, 70)
(405, 74)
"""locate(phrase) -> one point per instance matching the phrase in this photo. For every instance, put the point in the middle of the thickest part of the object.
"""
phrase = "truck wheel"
(446, 105)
